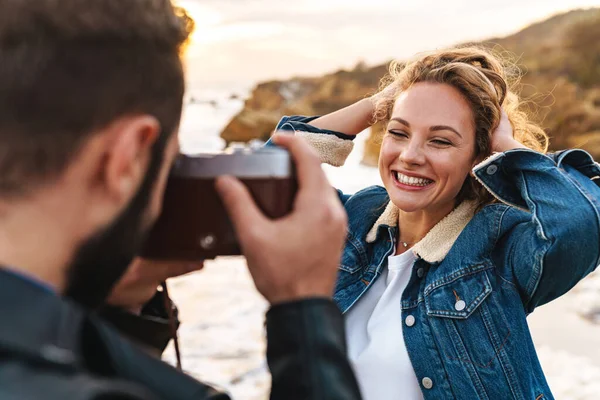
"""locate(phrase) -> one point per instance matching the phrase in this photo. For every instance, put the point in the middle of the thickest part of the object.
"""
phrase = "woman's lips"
(410, 182)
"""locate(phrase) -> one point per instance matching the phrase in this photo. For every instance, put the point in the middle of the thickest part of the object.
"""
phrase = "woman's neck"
(414, 226)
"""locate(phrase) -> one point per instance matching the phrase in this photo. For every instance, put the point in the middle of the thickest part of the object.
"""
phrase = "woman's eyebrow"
(403, 122)
(444, 128)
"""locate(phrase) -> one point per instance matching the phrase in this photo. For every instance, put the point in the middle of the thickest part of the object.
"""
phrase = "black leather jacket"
(52, 349)
(151, 329)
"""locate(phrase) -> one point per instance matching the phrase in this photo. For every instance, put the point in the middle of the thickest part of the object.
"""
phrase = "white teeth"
(412, 181)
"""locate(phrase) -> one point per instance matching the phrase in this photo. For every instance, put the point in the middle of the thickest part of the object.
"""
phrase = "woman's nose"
(412, 154)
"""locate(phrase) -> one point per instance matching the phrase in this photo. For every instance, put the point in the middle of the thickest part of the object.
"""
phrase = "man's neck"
(35, 241)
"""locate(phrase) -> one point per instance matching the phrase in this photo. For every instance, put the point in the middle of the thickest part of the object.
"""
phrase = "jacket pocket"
(350, 264)
(458, 297)
(470, 324)
(353, 258)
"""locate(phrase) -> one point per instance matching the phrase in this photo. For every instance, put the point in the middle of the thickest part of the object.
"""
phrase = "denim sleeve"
(333, 150)
(559, 242)
(333, 147)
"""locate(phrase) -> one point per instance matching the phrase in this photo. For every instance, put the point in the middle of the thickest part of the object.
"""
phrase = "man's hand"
(296, 256)
(141, 280)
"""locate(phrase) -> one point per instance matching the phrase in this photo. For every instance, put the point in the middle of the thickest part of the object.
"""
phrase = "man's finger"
(147, 270)
(242, 210)
(308, 164)
(179, 268)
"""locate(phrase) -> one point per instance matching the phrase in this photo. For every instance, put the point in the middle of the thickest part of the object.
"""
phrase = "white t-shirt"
(374, 334)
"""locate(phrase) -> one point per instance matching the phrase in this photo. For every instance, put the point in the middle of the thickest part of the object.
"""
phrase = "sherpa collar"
(440, 239)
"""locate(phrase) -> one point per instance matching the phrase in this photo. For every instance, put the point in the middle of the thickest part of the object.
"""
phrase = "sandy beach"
(222, 335)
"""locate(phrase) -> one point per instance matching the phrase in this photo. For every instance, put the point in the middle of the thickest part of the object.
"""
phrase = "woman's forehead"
(426, 104)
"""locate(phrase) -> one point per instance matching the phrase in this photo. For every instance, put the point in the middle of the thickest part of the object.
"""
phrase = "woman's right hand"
(387, 93)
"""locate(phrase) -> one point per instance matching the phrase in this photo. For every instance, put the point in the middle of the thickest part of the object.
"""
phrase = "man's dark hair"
(69, 68)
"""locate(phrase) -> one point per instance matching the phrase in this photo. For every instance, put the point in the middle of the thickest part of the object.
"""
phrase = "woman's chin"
(408, 206)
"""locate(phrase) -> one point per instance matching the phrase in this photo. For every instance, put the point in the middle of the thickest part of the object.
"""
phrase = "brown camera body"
(194, 225)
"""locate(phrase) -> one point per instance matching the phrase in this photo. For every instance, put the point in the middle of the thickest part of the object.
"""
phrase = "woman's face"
(429, 148)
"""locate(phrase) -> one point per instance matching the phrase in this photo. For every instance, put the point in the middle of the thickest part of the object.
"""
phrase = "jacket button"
(420, 273)
(427, 383)
(410, 320)
(492, 169)
(460, 305)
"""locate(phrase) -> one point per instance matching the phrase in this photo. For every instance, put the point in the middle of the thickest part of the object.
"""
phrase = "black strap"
(172, 323)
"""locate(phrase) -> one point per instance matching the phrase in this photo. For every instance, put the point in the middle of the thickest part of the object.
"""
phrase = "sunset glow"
(244, 42)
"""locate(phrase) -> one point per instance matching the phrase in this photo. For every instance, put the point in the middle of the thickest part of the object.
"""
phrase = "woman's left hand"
(503, 137)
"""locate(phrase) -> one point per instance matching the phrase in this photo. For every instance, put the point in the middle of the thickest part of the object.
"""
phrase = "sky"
(238, 43)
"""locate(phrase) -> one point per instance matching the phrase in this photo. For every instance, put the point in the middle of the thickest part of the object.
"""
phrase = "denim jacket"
(477, 274)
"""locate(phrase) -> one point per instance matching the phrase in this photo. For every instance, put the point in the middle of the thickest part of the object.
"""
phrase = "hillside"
(560, 63)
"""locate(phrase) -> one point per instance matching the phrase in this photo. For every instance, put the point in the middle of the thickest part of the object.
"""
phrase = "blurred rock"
(269, 101)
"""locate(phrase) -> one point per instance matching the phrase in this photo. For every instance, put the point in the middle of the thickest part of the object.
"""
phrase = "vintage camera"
(194, 224)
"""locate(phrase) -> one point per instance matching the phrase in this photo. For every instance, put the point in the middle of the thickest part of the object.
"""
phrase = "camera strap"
(172, 323)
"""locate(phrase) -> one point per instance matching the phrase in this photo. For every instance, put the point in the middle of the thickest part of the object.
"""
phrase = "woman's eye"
(398, 133)
(441, 142)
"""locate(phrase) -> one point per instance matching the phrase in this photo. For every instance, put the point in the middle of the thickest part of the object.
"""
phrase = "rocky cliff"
(269, 101)
(560, 59)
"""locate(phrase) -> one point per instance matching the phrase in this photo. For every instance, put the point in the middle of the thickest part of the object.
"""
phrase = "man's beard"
(102, 259)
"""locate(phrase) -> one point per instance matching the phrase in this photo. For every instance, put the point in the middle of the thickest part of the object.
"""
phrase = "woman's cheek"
(389, 148)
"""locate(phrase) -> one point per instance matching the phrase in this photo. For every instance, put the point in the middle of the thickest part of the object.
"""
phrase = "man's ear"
(128, 155)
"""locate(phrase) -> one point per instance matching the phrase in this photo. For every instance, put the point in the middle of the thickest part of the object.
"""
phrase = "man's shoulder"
(151, 373)
(25, 380)
(85, 359)
(122, 371)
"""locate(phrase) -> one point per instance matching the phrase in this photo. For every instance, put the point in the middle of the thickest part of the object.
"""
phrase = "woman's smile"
(411, 182)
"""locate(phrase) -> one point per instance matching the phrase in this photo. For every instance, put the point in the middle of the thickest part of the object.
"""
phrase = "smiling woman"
(470, 233)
